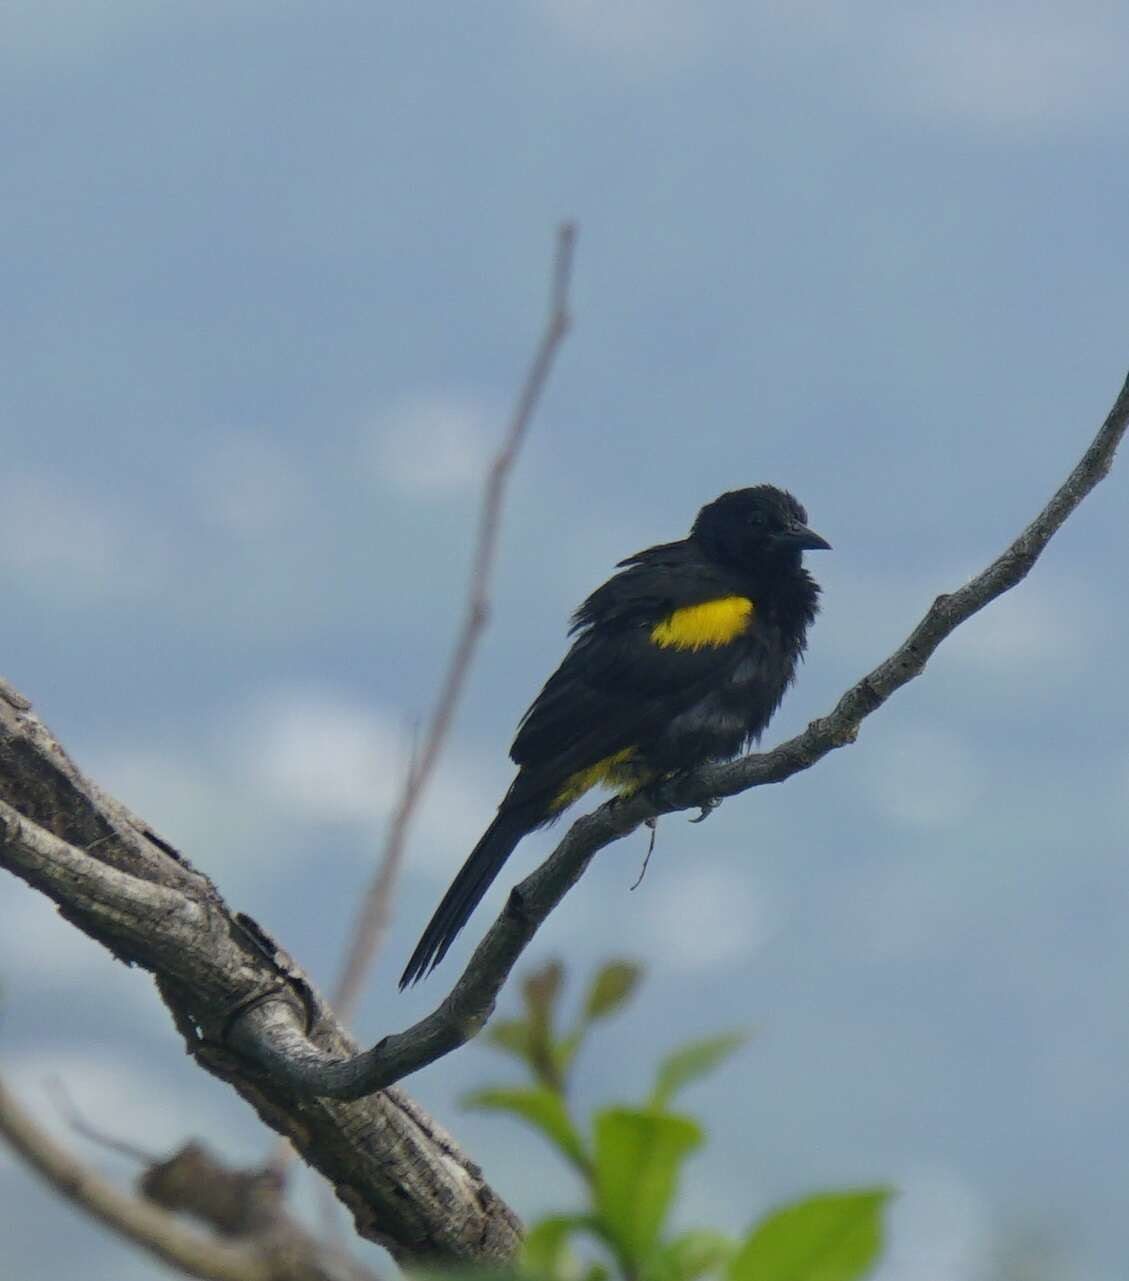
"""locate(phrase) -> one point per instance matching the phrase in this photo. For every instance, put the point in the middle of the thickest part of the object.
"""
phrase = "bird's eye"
(757, 520)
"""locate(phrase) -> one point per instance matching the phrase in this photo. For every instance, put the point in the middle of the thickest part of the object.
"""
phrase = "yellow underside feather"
(705, 626)
(607, 771)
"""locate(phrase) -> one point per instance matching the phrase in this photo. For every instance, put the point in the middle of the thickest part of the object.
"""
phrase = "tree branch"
(243, 1005)
(407, 1184)
(264, 1032)
(258, 1241)
(372, 918)
(116, 892)
(150, 1227)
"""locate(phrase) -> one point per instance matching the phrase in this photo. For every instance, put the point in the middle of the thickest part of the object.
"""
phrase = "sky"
(271, 276)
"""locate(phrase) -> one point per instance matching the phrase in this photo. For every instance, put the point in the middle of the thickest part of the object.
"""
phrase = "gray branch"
(250, 1016)
(270, 1035)
(406, 1182)
(253, 1238)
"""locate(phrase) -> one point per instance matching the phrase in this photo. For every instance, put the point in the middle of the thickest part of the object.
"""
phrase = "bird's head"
(748, 528)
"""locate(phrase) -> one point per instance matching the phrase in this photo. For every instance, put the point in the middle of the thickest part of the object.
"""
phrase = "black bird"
(679, 659)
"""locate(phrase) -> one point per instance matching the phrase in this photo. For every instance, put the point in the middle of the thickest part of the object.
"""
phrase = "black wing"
(616, 688)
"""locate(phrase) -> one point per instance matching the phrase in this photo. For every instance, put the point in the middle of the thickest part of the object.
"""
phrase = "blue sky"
(271, 275)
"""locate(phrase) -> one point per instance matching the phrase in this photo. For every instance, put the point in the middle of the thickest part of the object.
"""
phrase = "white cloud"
(705, 919)
(903, 910)
(248, 486)
(296, 757)
(99, 1085)
(433, 444)
(921, 777)
(59, 543)
(123, 1097)
(865, 616)
(318, 755)
(940, 1230)
(1010, 68)
(52, 27)
(65, 960)
(1041, 629)
(1037, 628)
(194, 797)
(648, 34)
(327, 760)
(47, 30)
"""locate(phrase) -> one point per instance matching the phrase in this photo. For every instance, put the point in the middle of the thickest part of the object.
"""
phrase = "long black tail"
(467, 889)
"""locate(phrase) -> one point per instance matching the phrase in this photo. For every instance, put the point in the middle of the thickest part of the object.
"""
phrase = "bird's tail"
(475, 878)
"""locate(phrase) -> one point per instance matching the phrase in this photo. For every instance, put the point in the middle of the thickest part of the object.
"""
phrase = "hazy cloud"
(295, 756)
(922, 777)
(248, 486)
(704, 918)
(645, 34)
(940, 1231)
(1011, 68)
(58, 542)
(432, 445)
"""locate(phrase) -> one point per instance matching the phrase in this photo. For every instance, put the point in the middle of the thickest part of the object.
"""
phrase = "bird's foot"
(662, 793)
(706, 809)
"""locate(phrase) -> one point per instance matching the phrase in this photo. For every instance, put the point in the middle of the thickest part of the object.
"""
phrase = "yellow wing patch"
(705, 626)
(608, 771)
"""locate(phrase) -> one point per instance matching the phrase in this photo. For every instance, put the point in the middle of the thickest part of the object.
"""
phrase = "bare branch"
(239, 1001)
(463, 1013)
(154, 1229)
(80, 1125)
(372, 918)
(246, 1208)
(43, 859)
(406, 1182)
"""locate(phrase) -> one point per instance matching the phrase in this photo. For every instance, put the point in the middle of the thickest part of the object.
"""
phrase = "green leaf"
(511, 1035)
(542, 1108)
(692, 1061)
(545, 1249)
(541, 991)
(692, 1255)
(565, 1051)
(833, 1237)
(638, 1156)
(612, 987)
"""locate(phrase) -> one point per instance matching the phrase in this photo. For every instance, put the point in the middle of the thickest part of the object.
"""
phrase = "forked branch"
(265, 1035)
(250, 1016)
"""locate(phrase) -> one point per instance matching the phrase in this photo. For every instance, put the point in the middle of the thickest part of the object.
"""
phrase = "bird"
(679, 659)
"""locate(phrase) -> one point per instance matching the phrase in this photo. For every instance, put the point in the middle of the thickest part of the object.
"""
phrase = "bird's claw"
(706, 809)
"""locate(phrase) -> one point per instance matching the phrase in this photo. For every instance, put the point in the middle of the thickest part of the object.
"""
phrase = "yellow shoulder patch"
(705, 626)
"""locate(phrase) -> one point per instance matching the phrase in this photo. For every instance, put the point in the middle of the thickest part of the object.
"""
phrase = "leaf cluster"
(630, 1160)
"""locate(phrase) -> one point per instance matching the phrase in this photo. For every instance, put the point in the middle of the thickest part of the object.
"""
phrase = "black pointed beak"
(807, 540)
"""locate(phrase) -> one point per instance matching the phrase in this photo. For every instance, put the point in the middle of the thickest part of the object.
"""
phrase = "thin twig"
(80, 1125)
(373, 915)
(280, 1045)
(154, 1229)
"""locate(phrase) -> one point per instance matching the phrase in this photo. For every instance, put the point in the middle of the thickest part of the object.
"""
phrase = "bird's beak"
(807, 540)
